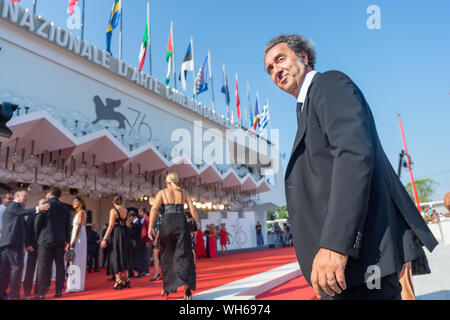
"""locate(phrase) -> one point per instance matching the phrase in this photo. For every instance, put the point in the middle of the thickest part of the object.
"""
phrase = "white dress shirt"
(305, 86)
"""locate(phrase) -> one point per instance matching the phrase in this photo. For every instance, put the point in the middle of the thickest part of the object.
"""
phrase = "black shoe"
(113, 278)
(156, 277)
(188, 295)
(27, 294)
(14, 298)
(38, 297)
(58, 294)
(96, 270)
(89, 270)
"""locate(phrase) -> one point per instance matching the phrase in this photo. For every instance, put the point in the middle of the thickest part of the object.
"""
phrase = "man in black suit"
(53, 232)
(353, 223)
(135, 228)
(93, 246)
(32, 250)
(12, 244)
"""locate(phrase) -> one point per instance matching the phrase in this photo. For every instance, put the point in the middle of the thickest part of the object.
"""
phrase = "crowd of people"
(58, 245)
(280, 237)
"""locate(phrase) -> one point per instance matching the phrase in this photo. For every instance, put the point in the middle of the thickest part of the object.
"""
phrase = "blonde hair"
(173, 179)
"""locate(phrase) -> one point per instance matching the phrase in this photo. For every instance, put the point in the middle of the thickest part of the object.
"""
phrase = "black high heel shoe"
(118, 285)
(126, 283)
(188, 295)
(165, 293)
(156, 277)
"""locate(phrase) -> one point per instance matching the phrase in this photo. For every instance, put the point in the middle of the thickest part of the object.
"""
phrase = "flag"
(203, 76)
(264, 118)
(169, 54)
(145, 42)
(238, 104)
(113, 22)
(224, 89)
(15, 1)
(249, 107)
(256, 116)
(72, 5)
(187, 65)
(232, 117)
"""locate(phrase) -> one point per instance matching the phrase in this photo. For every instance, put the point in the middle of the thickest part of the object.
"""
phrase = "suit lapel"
(302, 126)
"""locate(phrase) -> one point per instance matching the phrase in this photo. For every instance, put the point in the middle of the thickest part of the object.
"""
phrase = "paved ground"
(435, 286)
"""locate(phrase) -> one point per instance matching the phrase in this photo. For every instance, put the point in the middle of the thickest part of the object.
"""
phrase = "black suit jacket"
(92, 239)
(53, 227)
(342, 193)
(30, 236)
(135, 233)
(13, 233)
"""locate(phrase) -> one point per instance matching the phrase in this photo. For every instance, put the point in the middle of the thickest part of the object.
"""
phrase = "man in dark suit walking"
(53, 231)
(12, 244)
(353, 223)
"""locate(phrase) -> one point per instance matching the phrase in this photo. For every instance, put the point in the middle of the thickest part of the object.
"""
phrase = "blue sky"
(403, 67)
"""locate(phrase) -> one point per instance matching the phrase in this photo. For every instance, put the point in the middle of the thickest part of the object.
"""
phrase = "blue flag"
(113, 22)
(203, 76)
(224, 89)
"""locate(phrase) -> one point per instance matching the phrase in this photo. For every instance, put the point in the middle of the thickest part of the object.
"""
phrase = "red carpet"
(296, 289)
(210, 273)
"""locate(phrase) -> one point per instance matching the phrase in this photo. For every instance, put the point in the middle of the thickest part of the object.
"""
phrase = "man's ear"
(305, 57)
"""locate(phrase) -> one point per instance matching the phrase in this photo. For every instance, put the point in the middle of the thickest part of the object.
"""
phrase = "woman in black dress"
(177, 259)
(119, 242)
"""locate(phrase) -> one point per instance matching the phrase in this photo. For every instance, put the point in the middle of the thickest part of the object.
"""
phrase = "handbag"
(69, 255)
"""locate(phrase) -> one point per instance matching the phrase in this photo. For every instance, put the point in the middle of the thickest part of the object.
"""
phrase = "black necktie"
(299, 111)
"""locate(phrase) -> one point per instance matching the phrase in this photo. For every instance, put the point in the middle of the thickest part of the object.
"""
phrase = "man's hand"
(29, 249)
(67, 246)
(43, 207)
(328, 272)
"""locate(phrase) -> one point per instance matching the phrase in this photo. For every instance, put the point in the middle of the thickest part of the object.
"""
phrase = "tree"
(425, 189)
(278, 213)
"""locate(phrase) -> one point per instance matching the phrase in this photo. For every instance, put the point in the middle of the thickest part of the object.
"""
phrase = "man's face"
(8, 199)
(141, 213)
(285, 68)
(22, 198)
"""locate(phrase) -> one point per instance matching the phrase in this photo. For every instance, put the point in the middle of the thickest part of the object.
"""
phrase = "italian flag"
(238, 104)
(169, 54)
(145, 40)
(72, 5)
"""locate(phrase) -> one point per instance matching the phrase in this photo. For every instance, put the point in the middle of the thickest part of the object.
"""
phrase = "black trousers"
(92, 261)
(389, 289)
(45, 260)
(30, 270)
(11, 267)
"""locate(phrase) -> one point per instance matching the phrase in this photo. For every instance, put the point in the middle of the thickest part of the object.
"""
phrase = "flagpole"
(82, 21)
(173, 58)
(149, 43)
(249, 107)
(212, 82)
(120, 31)
(257, 115)
(194, 77)
(270, 121)
(34, 7)
(226, 82)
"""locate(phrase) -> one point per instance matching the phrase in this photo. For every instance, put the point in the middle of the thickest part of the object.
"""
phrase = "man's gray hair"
(18, 193)
(297, 44)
